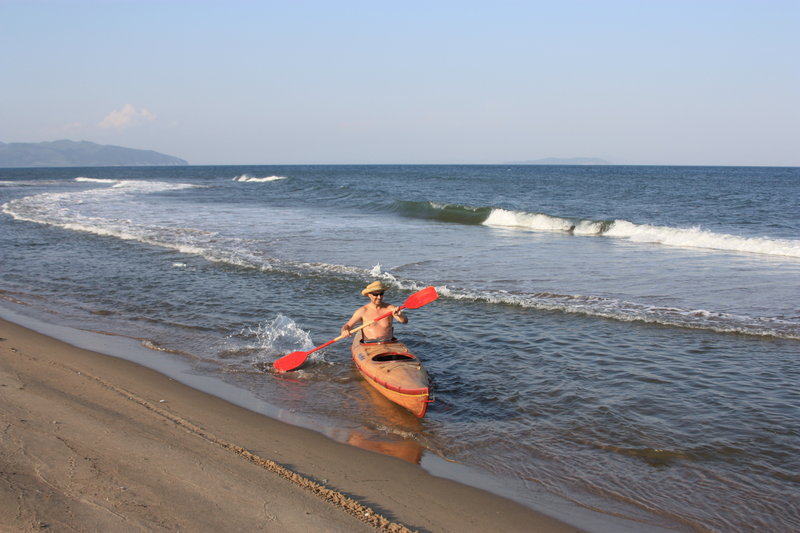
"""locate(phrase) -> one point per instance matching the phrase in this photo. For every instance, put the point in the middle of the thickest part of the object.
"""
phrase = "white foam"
(528, 221)
(615, 309)
(30, 183)
(279, 337)
(95, 180)
(377, 272)
(700, 238)
(588, 227)
(152, 186)
(88, 212)
(695, 237)
(245, 178)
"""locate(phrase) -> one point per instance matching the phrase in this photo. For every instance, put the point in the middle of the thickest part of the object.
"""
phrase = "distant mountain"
(80, 154)
(564, 161)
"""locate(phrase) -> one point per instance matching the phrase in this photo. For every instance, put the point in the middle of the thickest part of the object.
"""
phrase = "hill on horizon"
(67, 153)
(563, 161)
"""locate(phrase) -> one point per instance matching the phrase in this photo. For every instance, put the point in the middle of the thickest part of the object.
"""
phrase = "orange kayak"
(394, 371)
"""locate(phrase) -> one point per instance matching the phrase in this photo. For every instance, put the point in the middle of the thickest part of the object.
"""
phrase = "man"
(382, 330)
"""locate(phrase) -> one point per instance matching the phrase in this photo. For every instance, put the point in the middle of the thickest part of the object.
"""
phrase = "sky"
(654, 82)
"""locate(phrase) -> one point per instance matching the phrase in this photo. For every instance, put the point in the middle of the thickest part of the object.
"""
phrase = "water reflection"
(389, 429)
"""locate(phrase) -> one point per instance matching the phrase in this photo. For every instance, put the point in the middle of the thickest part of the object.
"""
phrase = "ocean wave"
(65, 210)
(455, 213)
(246, 178)
(72, 211)
(624, 311)
(694, 237)
(530, 221)
(28, 183)
(699, 238)
(95, 180)
(143, 186)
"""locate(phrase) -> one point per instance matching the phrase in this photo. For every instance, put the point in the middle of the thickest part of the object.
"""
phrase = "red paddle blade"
(420, 298)
(290, 362)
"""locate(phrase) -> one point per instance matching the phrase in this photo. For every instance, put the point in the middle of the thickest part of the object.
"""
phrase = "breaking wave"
(694, 237)
(95, 180)
(246, 178)
(443, 212)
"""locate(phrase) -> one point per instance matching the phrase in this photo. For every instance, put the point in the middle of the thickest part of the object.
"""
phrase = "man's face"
(376, 297)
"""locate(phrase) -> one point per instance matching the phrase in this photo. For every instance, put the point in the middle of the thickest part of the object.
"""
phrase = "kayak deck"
(394, 371)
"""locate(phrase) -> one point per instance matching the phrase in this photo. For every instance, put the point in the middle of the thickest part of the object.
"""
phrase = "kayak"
(394, 371)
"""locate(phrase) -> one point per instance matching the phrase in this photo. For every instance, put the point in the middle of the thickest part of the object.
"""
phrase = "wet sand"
(91, 442)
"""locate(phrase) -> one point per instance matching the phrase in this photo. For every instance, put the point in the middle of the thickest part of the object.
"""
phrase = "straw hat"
(375, 286)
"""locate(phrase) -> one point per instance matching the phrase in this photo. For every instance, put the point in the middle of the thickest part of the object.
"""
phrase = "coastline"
(93, 442)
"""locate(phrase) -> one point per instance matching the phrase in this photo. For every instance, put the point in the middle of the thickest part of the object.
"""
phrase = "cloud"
(125, 117)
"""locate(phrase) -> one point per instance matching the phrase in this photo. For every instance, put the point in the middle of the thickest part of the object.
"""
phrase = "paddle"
(415, 301)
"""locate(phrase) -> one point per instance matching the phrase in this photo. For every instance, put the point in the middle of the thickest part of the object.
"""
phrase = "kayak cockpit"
(393, 356)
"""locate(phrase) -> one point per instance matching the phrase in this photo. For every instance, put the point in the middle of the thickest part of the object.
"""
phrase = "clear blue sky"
(252, 82)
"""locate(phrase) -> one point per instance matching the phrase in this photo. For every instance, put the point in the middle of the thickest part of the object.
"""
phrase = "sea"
(617, 346)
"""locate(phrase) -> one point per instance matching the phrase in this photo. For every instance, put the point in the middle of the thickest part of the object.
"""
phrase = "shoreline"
(92, 441)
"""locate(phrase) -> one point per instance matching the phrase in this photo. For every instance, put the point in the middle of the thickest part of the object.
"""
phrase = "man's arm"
(399, 315)
(352, 322)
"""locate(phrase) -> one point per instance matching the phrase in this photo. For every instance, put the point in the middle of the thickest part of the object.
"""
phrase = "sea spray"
(260, 345)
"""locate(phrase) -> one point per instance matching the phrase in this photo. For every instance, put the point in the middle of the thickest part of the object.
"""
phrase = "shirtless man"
(382, 331)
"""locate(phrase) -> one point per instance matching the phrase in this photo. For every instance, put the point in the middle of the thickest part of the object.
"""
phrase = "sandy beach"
(95, 443)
